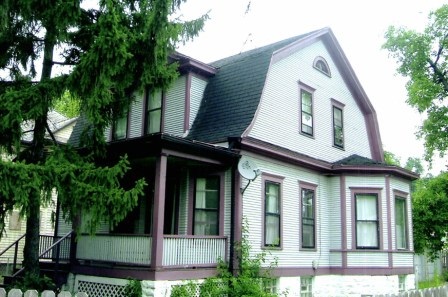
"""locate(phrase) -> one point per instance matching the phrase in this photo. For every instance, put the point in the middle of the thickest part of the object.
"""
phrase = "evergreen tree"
(106, 53)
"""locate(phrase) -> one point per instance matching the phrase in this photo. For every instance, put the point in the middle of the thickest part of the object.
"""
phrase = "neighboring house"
(325, 205)
(15, 225)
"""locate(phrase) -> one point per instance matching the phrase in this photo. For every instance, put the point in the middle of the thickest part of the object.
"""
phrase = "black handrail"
(57, 243)
(12, 244)
(16, 250)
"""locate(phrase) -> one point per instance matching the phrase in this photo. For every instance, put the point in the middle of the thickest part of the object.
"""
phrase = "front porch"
(183, 223)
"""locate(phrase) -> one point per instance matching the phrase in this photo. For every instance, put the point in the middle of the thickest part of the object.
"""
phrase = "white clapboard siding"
(367, 259)
(136, 116)
(279, 109)
(196, 94)
(290, 255)
(403, 259)
(174, 114)
(334, 209)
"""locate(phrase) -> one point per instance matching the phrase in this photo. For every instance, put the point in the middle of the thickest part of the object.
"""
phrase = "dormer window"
(322, 65)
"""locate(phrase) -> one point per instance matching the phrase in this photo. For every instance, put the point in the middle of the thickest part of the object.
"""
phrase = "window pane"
(400, 223)
(308, 235)
(307, 203)
(120, 127)
(307, 119)
(154, 101)
(272, 198)
(272, 236)
(154, 121)
(206, 222)
(366, 207)
(366, 234)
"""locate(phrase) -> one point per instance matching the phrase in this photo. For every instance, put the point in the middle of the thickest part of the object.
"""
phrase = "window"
(367, 223)
(153, 112)
(306, 286)
(120, 127)
(306, 102)
(308, 216)
(338, 127)
(270, 285)
(321, 65)
(400, 223)
(206, 206)
(272, 214)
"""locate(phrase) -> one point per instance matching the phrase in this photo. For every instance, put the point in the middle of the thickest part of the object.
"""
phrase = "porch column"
(159, 212)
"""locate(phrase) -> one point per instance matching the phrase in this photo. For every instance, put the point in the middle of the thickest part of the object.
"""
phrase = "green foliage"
(133, 288)
(422, 58)
(68, 105)
(248, 281)
(436, 281)
(106, 53)
(391, 159)
(33, 282)
(430, 215)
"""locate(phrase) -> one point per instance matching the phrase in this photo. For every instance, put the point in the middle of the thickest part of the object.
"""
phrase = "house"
(320, 200)
(15, 225)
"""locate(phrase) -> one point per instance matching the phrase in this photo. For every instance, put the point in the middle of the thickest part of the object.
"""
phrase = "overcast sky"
(359, 27)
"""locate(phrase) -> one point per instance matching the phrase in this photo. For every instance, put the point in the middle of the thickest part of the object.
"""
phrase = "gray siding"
(277, 120)
(175, 107)
(136, 116)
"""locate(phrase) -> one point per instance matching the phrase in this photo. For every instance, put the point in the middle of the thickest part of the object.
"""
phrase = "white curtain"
(366, 221)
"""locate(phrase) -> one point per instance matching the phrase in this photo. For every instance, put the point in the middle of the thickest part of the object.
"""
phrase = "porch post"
(237, 219)
(159, 212)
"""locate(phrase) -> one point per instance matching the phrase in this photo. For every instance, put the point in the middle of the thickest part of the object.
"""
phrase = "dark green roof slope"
(357, 160)
(232, 96)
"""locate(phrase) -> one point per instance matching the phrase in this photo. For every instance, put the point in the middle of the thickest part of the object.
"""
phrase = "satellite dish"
(248, 169)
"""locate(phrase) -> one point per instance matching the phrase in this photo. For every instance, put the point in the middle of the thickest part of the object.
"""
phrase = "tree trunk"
(31, 249)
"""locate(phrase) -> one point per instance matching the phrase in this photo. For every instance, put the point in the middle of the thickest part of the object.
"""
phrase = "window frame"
(340, 106)
(216, 210)
(275, 180)
(304, 186)
(379, 233)
(303, 88)
(324, 62)
(306, 281)
(402, 197)
(147, 112)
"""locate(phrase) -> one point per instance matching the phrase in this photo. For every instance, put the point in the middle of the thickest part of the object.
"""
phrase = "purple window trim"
(400, 195)
(312, 187)
(191, 200)
(337, 105)
(306, 88)
(267, 177)
(366, 190)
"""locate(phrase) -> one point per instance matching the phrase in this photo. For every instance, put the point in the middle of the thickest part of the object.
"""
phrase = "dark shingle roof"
(357, 160)
(232, 96)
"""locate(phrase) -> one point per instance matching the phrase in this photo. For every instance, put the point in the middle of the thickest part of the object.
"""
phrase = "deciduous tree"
(422, 58)
(107, 52)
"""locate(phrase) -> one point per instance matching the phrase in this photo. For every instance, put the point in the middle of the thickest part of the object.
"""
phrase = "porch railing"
(193, 250)
(178, 250)
(126, 249)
